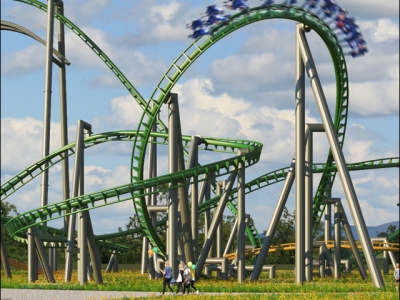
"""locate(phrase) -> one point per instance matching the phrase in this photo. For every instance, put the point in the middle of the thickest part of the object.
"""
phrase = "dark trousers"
(186, 286)
(180, 287)
(192, 285)
(165, 282)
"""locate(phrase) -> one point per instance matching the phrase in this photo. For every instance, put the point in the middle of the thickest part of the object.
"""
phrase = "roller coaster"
(153, 132)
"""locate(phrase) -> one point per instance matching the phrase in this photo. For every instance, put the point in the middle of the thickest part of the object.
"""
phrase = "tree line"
(285, 233)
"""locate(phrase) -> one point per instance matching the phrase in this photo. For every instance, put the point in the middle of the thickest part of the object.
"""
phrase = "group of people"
(185, 280)
(213, 15)
(327, 9)
(342, 20)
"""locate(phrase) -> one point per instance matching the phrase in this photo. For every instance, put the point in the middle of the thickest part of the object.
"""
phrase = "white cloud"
(246, 94)
(21, 144)
(124, 113)
(386, 30)
(24, 61)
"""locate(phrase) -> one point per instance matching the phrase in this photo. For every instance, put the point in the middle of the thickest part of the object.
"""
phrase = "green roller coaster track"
(136, 189)
(197, 48)
(19, 224)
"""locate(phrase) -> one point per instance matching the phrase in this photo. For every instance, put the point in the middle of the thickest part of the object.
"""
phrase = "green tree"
(8, 210)
(391, 229)
(396, 239)
(14, 249)
(285, 233)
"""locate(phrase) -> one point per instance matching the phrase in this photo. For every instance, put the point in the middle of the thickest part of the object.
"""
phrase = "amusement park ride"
(338, 30)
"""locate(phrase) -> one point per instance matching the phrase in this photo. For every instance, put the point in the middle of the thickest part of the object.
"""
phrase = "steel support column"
(42, 255)
(186, 228)
(273, 224)
(241, 217)
(193, 160)
(308, 245)
(336, 248)
(231, 237)
(300, 163)
(216, 219)
(219, 233)
(94, 253)
(47, 102)
(351, 239)
(4, 258)
(173, 148)
(340, 162)
(59, 8)
(151, 172)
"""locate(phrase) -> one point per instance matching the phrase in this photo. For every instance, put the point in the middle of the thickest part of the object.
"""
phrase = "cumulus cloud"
(386, 30)
(21, 142)
(243, 88)
(361, 144)
(17, 63)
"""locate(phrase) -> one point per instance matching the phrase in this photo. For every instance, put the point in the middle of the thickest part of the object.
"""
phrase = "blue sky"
(240, 88)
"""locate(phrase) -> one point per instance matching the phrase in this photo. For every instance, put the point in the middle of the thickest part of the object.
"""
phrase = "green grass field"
(282, 287)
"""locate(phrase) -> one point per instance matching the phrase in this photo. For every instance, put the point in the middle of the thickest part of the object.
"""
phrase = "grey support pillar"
(47, 106)
(231, 237)
(385, 263)
(308, 247)
(193, 160)
(269, 235)
(151, 172)
(32, 258)
(110, 262)
(42, 255)
(77, 189)
(53, 257)
(82, 234)
(173, 148)
(4, 257)
(94, 253)
(186, 228)
(351, 239)
(300, 164)
(391, 255)
(115, 264)
(308, 207)
(47, 101)
(328, 223)
(241, 218)
(328, 226)
(220, 187)
(321, 262)
(156, 263)
(337, 243)
(218, 240)
(59, 8)
(207, 219)
(338, 156)
(218, 212)
(328, 260)
(86, 241)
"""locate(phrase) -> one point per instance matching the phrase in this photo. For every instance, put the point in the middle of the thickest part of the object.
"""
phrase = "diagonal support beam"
(340, 161)
(214, 224)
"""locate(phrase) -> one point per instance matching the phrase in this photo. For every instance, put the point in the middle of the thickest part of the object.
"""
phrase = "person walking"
(186, 279)
(192, 281)
(397, 276)
(179, 280)
(167, 277)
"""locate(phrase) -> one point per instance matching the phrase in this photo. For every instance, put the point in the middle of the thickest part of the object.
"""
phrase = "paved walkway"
(36, 294)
